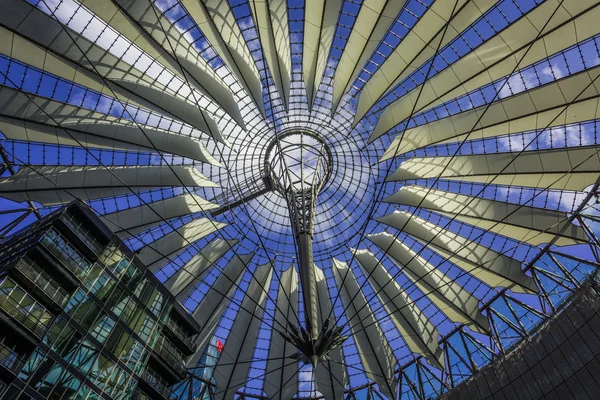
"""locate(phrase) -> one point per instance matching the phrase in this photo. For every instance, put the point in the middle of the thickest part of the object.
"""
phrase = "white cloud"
(553, 71)
(517, 83)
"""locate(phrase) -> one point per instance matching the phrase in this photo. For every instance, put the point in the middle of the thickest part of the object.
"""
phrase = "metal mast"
(299, 166)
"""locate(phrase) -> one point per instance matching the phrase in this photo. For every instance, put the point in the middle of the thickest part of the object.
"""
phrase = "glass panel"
(159, 384)
(36, 275)
(17, 303)
(10, 359)
(89, 238)
(66, 253)
(171, 354)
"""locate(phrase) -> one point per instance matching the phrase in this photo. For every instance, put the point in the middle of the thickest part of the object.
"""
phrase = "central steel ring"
(298, 160)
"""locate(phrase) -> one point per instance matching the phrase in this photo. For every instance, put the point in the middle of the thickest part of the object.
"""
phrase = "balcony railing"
(27, 316)
(168, 352)
(11, 360)
(82, 232)
(44, 282)
(160, 385)
(181, 334)
(63, 250)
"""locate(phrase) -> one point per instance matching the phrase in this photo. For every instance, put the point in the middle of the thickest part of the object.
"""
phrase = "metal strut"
(299, 169)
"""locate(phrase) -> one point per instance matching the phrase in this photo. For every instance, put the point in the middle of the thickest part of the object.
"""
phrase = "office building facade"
(82, 318)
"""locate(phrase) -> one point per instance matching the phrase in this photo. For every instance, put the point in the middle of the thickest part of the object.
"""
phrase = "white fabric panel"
(27, 52)
(215, 302)
(419, 45)
(544, 106)
(108, 66)
(134, 220)
(149, 93)
(330, 376)
(92, 182)
(173, 243)
(320, 22)
(525, 235)
(499, 56)
(186, 110)
(372, 24)
(46, 31)
(529, 221)
(94, 58)
(195, 269)
(281, 370)
(489, 266)
(20, 49)
(105, 133)
(232, 367)
(459, 305)
(204, 78)
(112, 15)
(271, 19)
(554, 118)
(573, 168)
(416, 329)
(61, 115)
(378, 359)
(218, 24)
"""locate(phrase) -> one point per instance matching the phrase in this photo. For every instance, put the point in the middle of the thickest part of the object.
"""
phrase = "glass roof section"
(460, 207)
